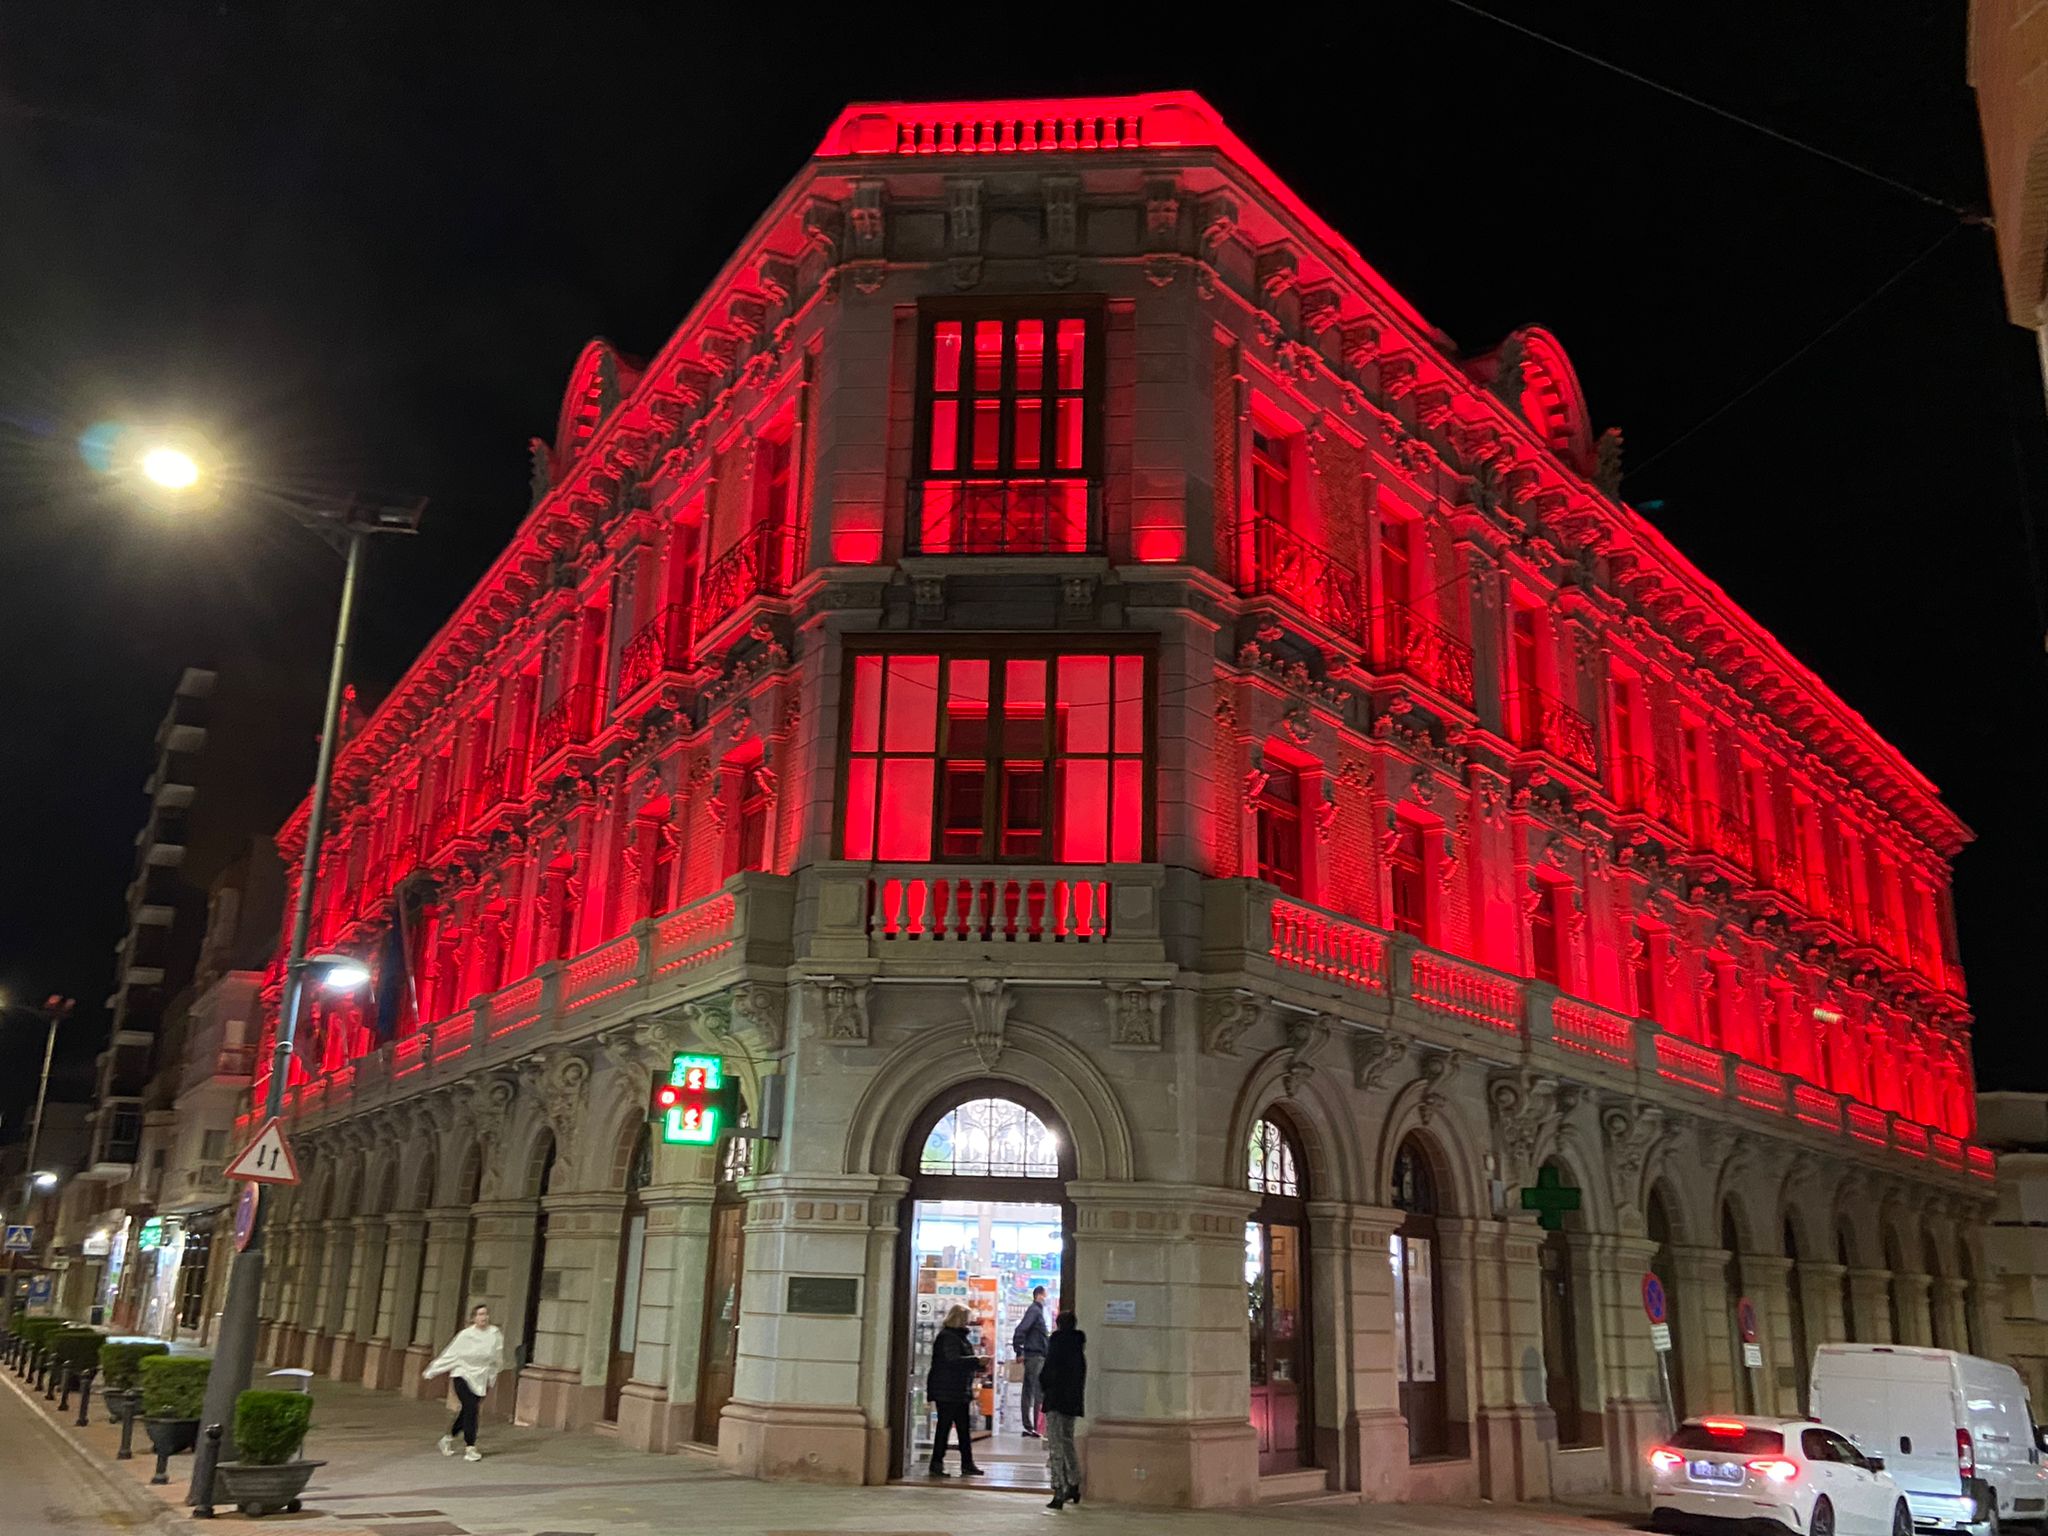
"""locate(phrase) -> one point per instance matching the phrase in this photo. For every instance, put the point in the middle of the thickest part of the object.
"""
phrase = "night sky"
(364, 249)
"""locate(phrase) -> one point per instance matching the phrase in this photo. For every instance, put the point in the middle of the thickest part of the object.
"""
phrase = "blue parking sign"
(39, 1290)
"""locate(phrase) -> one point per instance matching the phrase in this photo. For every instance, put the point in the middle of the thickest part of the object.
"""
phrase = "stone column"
(1870, 1291)
(306, 1284)
(658, 1408)
(1169, 1391)
(384, 1355)
(1821, 1285)
(363, 1279)
(562, 1387)
(1634, 1416)
(1351, 1286)
(1951, 1297)
(1512, 1423)
(1767, 1276)
(501, 1263)
(270, 1307)
(1915, 1311)
(332, 1300)
(443, 1296)
(1700, 1324)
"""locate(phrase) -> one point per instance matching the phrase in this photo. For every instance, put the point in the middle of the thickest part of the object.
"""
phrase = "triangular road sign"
(266, 1160)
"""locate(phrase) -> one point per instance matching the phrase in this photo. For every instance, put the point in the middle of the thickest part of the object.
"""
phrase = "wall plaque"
(823, 1295)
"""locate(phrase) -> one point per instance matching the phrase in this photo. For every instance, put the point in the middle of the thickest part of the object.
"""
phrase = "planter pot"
(121, 1400)
(256, 1490)
(168, 1438)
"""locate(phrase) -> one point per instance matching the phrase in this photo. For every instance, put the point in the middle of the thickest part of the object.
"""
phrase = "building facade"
(2008, 47)
(1159, 778)
(2015, 1126)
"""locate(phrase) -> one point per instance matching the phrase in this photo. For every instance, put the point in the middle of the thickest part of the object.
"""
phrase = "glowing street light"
(171, 468)
(338, 973)
(46, 1180)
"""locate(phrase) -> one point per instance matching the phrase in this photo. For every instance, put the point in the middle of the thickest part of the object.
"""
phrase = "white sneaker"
(447, 1445)
(472, 1454)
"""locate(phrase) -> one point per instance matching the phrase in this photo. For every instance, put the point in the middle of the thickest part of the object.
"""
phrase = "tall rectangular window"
(1544, 962)
(1008, 433)
(1279, 827)
(1642, 960)
(1408, 877)
(1006, 755)
(1397, 562)
(1272, 477)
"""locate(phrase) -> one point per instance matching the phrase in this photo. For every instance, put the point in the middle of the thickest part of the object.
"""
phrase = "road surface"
(46, 1488)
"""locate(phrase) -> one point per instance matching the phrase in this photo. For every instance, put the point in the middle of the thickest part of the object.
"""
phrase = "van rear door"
(1899, 1405)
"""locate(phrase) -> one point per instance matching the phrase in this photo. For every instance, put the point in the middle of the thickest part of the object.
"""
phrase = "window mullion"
(992, 763)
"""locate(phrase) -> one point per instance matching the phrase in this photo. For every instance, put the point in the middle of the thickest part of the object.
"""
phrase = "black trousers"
(465, 1416)
(955, 1417)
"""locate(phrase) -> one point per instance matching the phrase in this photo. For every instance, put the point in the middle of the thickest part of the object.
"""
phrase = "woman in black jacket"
(1062, 1382)
(948, 1386)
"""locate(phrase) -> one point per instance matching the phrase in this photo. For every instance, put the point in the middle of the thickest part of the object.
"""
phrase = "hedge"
(120, 1364)
(174, 1386)
(271, 1426)
(77, 1349)
(37, 1330)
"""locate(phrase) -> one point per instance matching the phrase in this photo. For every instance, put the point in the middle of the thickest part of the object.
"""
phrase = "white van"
(1955, 1432)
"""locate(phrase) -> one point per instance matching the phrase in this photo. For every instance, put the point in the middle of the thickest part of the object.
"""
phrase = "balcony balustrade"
(751, 568)
(919, 913)
(1723, 834)
(566, 722)
(1541, 723)
(1307, 577)
(1643, 788)
(1004, 517)
(505, 780)
(1408, 643)
(447, 824)
(660, 645)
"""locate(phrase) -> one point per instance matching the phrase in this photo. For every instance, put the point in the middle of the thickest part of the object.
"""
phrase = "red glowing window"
(755, 796)
(1408, 877)
(1279, 828)
(997, 757)
(1642, 959)
(1396, 586)
(1544, 962)
(1006, 418)
(1272, 477)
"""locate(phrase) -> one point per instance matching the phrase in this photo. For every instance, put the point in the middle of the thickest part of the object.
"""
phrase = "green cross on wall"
(1550, 1197)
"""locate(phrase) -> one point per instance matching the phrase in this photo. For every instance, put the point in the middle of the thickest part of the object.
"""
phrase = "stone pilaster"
(1351, 1287)
(1768, 1275)
(1870, 1293)
(360, 1284)
(1634, 1413)
(1951, 1298)
(562, 1386)
(1512, 1423)
(658, 1407)
(1700, 1325)
(384, 1353)
(1915, 1314)
(503, 1233)
(443, 1296)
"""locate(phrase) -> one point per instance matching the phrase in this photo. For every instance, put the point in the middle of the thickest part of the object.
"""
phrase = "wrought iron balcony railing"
(1639, 785)
(1541, 723)
(660, 645)
(505, 780)
(1408, 643)
(1724, 834)
(566, 723)
(1285, 565)
(1004, 517)
(751, 568)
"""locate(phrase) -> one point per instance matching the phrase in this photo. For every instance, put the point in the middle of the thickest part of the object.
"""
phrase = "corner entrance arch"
(985, 1220)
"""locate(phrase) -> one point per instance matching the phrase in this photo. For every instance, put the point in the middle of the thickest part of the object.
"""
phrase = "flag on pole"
(396, 992)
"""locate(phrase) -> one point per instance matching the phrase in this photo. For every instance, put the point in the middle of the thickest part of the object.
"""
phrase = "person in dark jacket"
(1062, 1382)
(1027, 1343)
(948, 1386)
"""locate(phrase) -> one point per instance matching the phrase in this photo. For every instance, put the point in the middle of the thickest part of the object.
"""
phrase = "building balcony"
(1642, 789)
(1405, 643)
(751, 568)
(660, 648)
(1280, 563)
(1538, 722)
(505, 780)
(1004, 517)
(1319, 962)
(1724, 836)
(565, 724)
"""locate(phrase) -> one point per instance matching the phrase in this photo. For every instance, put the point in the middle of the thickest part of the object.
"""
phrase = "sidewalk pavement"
(386, 1477)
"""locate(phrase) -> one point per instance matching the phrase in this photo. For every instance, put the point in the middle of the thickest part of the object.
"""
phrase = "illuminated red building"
(1162, 778)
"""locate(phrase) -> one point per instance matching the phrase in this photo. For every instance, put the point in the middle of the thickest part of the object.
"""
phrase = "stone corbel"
(1136, 1014)
(1375, 1053)
(558, 1082)
(1436, 1070)
(845, 1003)
(1228, 1016)
(988, 1013)
(759, 1016)
(1307, 1034)
(1633, 1131)
(1527, 1108)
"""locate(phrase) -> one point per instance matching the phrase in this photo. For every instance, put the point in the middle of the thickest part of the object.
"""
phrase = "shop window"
(999, 756)
(1007, 418)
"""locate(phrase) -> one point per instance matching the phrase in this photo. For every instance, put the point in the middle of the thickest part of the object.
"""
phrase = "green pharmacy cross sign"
(695, 1102)
(1550, 1197)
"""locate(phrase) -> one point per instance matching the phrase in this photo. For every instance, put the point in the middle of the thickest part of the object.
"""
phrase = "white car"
(1746, 1474)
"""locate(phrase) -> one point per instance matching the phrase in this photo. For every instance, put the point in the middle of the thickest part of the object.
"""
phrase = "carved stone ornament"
(988, 1014)
(1136, 1012)
(1633, 1129)
(1227, 1016)
(1374, 1054)
(1527, 1108)
(1307, 1034)
(1437, 1070)
(845, 1001)
(758, 1015)
(558, 1082)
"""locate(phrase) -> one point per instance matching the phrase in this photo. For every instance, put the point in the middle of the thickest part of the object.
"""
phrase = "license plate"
(1720, 1473)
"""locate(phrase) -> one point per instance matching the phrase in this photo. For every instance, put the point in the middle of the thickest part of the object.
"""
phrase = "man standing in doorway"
(1028, 1344)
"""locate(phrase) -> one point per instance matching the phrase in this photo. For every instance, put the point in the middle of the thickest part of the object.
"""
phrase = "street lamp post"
(55, 1010)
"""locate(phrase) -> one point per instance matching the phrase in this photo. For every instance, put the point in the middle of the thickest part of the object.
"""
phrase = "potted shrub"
(270, 1428)
(34, 1332)
(77, 1352)
(173, 1393)
(121, 1375)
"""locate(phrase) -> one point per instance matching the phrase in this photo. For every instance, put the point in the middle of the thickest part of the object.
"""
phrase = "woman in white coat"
(473, 1358)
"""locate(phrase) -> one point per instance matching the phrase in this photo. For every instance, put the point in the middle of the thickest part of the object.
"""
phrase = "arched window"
(1416, 1258)
(1662, 1266)
(1848, 1289)
(542, 1177)
(626, 1291)
(1731, 1244)
(991, 1138)
(1802, 1357)
(1563, 1262)
(1276, 1286)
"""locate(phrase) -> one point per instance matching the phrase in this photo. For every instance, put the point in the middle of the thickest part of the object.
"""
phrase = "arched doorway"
(1562, 1377)
(1416, 1257)
(1731, 1274)
(718, 1353)
(986, 1221)
(1665, 1269)
(1795, 1290)
(529, 1329)
(1276, 1298)
(626, 1292)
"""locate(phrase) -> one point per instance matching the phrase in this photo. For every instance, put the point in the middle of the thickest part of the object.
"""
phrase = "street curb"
(146, 1506)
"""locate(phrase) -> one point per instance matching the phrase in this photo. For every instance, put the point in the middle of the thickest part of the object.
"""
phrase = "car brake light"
(1774, 1468)
(1664, 1459)
(1966, 1454)
(1723, 1426)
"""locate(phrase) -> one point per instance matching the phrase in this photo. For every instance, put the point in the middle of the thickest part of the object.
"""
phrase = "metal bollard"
(85, 1392)
(126, 1453)
(208, 1457)
(69, 1379)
